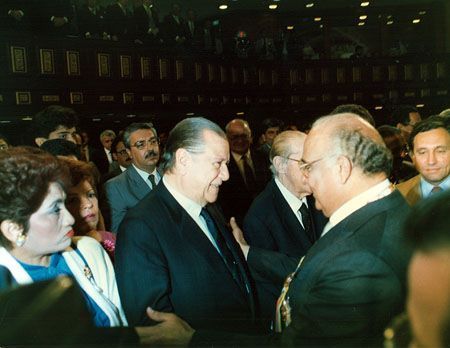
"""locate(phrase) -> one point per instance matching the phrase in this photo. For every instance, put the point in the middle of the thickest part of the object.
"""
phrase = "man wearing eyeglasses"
(283, 217)
(127, 189)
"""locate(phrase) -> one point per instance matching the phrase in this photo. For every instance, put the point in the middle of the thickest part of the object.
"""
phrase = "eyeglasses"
(142, 144)
(122, 152)
(305, 166)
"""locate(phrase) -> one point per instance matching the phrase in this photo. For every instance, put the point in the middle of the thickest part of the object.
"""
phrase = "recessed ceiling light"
(223, 7)
(361, 24)
(417, 20)
(311, 4)
(273, 6)
(190, 114)
(317, 19)
(420, 105)
(240, 113)
(422, 13)
(363, 17)
(290, 27)
(365, 3)
(378, 107)
(389, 22)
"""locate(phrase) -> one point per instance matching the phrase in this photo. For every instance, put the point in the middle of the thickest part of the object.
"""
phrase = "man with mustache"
(174, 251)
(127, 189)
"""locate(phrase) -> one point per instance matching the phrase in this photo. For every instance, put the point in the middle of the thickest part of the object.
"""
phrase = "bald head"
(239, 136)
(285, 155)
(344, 156)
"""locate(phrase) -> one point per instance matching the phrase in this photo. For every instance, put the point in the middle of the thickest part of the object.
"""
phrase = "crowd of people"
(314, 238)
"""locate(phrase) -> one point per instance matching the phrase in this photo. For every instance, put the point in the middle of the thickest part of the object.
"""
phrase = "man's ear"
(11, 230)
(182, 160)
(39, 141)
(280, 164)
(345, 168)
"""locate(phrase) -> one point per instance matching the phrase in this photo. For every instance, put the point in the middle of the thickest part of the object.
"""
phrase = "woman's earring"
(20, 241)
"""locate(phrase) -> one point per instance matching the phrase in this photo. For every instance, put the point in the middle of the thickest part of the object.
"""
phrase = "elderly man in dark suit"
(283, 217)
(127, 189)
(174, 251)
(352, 280)
(249, 171)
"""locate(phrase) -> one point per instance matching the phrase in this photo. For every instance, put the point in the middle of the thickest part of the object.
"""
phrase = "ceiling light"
(321, 26)
(417, 20)
(420, 105)
(311, 4)
(190, 114)
(422, 13)
(361, 24)
(317, 19)
(240, 113)
(390, 22)
(389, 16)
(273, 6)
(365, 3)
(290, 27)
(223, 7)
(363, 17)
(378, 107)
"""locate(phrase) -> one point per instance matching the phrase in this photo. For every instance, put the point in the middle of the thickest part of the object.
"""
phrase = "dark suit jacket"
(164, 260)
(98, 156)
(124, 192)
(116, 22)
(141, 24)
(352, 280)
(234, 197)
(172, 29)
(271, 224)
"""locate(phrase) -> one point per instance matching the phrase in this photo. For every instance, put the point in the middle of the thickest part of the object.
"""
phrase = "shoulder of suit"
(407, 185)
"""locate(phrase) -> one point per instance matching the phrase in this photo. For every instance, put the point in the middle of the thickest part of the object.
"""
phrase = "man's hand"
(171, 330)
(239, 236)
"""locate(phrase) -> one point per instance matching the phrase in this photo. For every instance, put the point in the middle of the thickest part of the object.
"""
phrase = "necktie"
(436, 189)
(248, 174)
(227, 257)
(151, 177)
(306, 220)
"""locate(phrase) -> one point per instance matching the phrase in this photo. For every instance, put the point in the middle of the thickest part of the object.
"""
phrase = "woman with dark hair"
(82, 202)
(36, 233)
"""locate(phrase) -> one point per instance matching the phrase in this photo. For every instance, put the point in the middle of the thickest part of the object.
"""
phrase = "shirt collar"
(193, 209)
(237, 157)
(144, 175)
(426, 187)
(294, 202)
(373, 194)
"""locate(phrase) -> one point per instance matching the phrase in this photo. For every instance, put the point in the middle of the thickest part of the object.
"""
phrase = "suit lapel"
(137, 186)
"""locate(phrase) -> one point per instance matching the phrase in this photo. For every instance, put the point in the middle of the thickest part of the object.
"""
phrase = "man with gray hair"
(127, 189)
(174, 251)
(283, 217)
(351, 282)
(102, 158)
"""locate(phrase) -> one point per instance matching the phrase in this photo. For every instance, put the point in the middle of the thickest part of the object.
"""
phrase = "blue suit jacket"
(124, 192)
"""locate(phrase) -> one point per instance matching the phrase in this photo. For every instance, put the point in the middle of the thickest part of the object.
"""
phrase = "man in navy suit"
(352, 281)
(174, 251)
(127, 189)
(283, 217)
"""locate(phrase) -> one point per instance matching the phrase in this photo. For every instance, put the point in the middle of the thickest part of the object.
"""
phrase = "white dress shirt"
(144, 175)
(294, 202)
(373, 194)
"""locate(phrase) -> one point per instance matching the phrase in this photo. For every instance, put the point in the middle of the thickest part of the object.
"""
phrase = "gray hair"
(283, 146)
(135, 127)
(359, 141)
(107, 133)
(189, 135)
